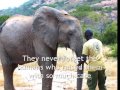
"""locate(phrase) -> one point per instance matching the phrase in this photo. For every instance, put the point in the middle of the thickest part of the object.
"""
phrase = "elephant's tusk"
(66, 48)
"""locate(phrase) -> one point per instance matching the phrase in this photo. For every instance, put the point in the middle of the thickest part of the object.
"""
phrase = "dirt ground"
(22, 79)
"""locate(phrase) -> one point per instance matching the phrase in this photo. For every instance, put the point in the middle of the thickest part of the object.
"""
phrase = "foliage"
(25, 9)
(103, 27)
(107, 9)
(81, 11)
(95, 16)
(97, 8)
(57, 5)
(3, 18)
(60, 4)
(91, 17)
(92, 1)
(113, 48)
(94, 21)
(110, 34)
(52, 5)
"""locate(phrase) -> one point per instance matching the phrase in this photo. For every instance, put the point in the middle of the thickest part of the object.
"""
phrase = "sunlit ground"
(23, 81)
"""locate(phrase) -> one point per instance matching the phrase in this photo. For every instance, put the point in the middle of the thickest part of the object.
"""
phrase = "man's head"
(88, 34)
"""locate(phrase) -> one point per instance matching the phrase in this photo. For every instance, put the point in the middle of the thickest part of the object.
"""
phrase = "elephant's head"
(58, 27)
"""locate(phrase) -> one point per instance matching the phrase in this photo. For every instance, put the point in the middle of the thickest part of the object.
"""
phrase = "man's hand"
(82, 60)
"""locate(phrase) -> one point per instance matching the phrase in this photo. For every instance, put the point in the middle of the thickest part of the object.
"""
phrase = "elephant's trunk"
(79, 72)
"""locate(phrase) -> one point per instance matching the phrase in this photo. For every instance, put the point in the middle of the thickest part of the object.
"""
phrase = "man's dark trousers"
(97, 77)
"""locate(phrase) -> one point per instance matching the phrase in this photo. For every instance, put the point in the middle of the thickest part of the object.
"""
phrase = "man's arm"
(82, 60)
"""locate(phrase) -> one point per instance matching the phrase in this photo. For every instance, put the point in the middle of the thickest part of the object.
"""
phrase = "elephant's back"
(16, 27)
(18, 23)
(16, 35)
(19, 18)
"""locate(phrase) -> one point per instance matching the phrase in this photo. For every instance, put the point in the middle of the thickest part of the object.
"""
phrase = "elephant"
(38, 35)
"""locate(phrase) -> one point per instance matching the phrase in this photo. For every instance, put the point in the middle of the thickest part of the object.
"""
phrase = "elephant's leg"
(47, 76)
(46, 72)
(8, 68)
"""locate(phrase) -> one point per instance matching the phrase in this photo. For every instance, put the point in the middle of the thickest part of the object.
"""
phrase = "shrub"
(113, 50)
(3, 18)
(81, 11)
(52, 5)
(110, 34)
(95, 16)
(107, 9)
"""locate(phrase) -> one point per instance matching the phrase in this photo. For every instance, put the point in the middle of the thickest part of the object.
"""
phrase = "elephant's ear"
(45, 25)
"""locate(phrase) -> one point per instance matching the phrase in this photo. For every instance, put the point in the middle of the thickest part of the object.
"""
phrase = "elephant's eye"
(70, 33)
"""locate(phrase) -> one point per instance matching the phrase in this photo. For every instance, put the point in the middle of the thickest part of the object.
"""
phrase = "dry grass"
(110, 63)
(111, 68)
(67, 61)
(17, 79)
(106, 51)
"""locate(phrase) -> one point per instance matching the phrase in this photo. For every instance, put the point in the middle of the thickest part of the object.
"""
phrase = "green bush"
(52, 5)
(107, 9)
(113, 50)
(110, 34)
(81, 11)
(3, 18)
(95, 16)
(97, 8)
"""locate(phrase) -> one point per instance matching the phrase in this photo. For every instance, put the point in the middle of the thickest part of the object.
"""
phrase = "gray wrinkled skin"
(37, 36)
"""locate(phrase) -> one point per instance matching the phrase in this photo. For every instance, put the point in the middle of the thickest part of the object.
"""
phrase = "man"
(96, 69)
